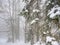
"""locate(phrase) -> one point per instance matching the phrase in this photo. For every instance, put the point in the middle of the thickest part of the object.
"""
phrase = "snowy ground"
(3, 42)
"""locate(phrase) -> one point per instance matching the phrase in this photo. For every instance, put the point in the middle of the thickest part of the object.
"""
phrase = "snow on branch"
(49, 38)
(54, 12)
(35, 20)
(26, 10)
(35, 10)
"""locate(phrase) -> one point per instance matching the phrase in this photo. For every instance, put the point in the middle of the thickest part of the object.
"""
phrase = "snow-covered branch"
(54, 12)
(33, 21)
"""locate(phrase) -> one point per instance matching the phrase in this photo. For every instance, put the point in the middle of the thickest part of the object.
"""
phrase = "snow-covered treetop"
(54, 12)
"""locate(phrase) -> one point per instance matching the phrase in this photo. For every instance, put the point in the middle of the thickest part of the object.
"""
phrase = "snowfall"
(3, 38)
